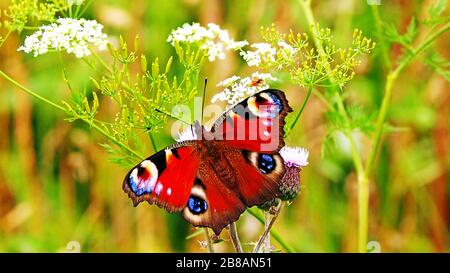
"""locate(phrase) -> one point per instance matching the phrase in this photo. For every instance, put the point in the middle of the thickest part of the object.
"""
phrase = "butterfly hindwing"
(211, 203)
(228, 182)
(256, 123)
(164, 179)
(258, 175)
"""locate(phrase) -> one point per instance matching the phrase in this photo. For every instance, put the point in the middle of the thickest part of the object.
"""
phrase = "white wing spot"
(159, 188)
(169, 191)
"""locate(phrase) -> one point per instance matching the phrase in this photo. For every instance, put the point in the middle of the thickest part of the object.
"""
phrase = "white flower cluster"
(265, 53)
(211, 38)
(72, 35)
(294, 156)
(286, 50)
(237, 88)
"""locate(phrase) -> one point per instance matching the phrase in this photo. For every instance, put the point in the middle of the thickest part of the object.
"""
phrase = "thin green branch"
(357, 160)
(382, 42)
(297, 117)
(32, 93)
(153, 142)
(5, 38)
(391, 78)
(61, 108)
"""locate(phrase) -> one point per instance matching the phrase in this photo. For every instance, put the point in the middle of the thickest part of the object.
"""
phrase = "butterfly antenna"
(171, 116)
(203, 99)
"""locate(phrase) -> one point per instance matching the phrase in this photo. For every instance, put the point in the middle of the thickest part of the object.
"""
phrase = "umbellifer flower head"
(214, 40)
(237, 88)
(75, 36)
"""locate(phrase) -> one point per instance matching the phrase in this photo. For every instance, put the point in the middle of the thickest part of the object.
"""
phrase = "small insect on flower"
(214, 40)
(75, 36)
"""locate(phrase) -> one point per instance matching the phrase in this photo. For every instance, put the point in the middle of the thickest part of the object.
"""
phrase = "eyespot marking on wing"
(265, 105)
(143, 178)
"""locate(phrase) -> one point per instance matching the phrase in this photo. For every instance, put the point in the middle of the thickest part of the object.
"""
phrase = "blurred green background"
(57, 185)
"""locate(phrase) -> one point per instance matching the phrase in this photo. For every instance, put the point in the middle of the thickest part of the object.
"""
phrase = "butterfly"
(213, 177)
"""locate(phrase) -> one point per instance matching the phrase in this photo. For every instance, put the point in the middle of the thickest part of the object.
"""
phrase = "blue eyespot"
(197, 205)
(266, 163)
(277, 101)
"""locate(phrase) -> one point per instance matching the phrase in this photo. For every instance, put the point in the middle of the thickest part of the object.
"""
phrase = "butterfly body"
(213, 177)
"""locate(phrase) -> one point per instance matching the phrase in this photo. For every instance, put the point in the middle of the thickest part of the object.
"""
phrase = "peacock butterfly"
(213, 177)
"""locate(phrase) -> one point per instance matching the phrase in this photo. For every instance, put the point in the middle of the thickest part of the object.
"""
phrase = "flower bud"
(294, 160)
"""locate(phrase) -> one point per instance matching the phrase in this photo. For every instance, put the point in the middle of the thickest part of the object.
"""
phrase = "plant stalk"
(235, 238)
(208, 241)
(275, 235)
(267, 229)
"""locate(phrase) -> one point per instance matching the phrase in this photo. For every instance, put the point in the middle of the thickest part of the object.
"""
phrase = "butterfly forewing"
(164, 178)
(256, 123)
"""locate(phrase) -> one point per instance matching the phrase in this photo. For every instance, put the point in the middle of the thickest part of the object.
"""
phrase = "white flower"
(237, 89)
(214, 40)
(236, 45)
(294, 156)
(286, 50)
(187, 134)
(229, 81)
(264, 53)
(72, 35)
(214, 50)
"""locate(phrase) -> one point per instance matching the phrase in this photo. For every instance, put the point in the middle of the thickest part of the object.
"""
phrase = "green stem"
(356, 157)
(32, 93)
(297, 117)
(275, 235)
(86, 6)
(111, 138)
(391, 78)
(381, 40)
(61, 108)
(5, 38)
(153, 142)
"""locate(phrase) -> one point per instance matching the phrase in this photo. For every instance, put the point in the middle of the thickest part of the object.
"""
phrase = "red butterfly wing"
(256, 123)
(164, 179)
(258, 175)
(228, 182)
(211, 203)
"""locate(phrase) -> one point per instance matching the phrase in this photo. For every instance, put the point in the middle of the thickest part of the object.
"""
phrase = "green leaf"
(437, 9)
(439, 64)
(411, 32)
